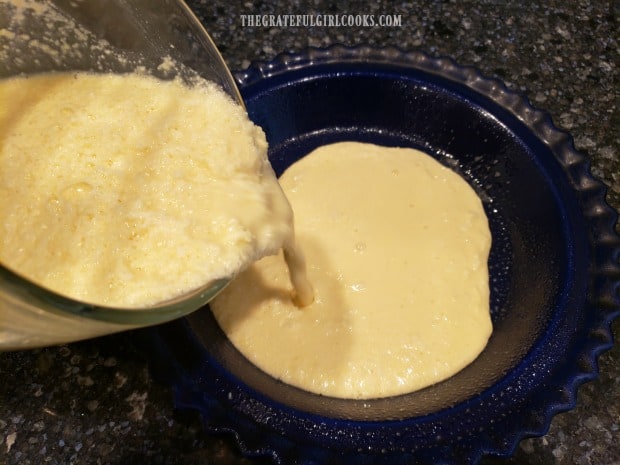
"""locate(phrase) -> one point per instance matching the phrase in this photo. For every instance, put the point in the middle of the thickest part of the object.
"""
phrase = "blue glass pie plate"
(554, 267)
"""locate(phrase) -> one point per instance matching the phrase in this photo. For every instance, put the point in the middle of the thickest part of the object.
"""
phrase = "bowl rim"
(599, 215)
(23, 289)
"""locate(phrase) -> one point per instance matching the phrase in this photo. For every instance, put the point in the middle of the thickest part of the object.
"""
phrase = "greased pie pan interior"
(553, 266)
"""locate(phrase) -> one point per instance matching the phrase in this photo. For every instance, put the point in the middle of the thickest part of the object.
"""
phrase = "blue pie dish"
(554, 272)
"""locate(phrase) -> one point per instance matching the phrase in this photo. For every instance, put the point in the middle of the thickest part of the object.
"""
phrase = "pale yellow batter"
(124, 190)
(397, 248)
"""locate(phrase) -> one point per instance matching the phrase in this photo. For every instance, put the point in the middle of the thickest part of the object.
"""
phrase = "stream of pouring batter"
(303, 293)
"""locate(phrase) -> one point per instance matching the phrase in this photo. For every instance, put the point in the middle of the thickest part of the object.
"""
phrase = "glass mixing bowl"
(160, 37)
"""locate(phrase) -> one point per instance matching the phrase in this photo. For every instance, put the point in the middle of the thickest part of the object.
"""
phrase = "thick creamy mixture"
(124, 190)
(397, 248)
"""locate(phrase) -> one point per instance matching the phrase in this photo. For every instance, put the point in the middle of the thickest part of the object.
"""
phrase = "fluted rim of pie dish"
(604, 272)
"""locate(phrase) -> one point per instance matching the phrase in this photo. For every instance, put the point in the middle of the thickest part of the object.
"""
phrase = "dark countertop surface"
(94, 402)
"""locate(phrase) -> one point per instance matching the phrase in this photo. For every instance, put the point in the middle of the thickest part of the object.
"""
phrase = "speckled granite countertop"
(94, 402)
